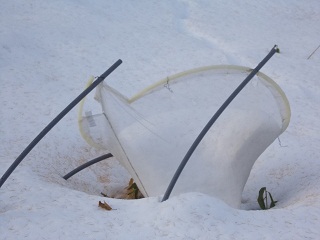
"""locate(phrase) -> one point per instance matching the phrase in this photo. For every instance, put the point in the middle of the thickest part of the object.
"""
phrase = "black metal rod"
(87, 164)
(56, 120)
(212, 121)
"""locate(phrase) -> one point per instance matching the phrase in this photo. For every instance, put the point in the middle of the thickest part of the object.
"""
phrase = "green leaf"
(261, 198)
(133, 186)
(273, 203)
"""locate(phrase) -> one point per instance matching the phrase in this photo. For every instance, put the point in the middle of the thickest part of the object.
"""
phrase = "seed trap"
(151, 132)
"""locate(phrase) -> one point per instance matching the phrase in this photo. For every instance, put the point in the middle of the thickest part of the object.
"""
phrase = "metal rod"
(87, 164)
(56, 120)
(313, 52)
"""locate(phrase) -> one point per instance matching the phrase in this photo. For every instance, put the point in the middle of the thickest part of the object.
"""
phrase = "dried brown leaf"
(105, 205)
(130, 182)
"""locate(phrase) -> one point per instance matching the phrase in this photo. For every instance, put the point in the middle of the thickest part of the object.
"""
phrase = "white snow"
(48, 50)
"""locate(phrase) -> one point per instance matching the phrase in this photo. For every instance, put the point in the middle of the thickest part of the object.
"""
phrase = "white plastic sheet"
(151, 132)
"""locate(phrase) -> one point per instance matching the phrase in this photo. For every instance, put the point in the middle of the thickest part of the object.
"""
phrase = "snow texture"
(48, 50)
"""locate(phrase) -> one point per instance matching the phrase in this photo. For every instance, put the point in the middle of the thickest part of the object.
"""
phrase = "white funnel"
(151, 132)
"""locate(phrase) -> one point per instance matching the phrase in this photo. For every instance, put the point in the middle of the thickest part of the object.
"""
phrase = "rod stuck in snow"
(56, 120)
(213, 119)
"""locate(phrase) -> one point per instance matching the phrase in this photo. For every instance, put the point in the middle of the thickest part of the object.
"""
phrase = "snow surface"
(48, 49)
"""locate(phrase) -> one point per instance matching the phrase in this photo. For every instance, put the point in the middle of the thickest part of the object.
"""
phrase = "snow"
(48, 51)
